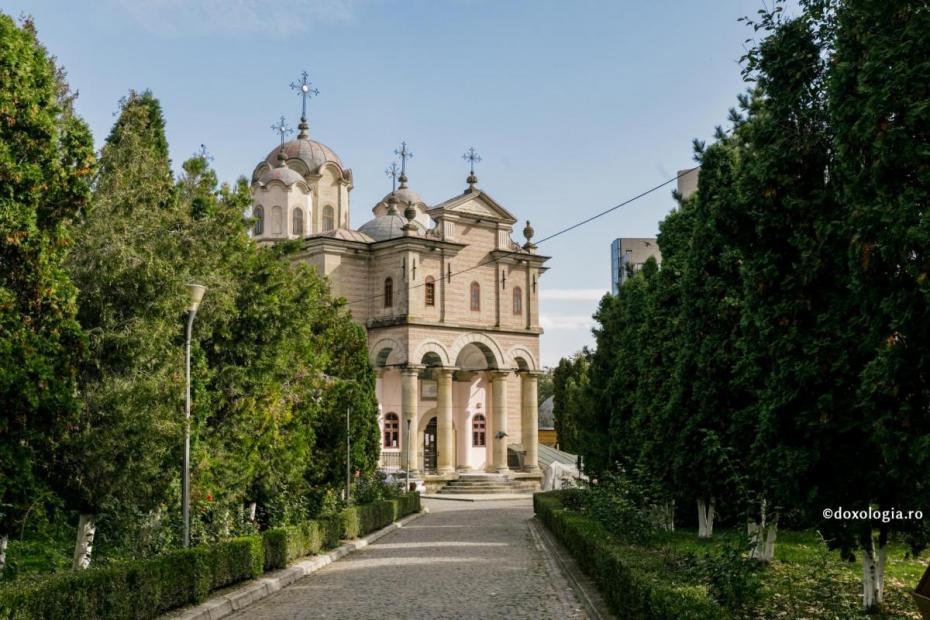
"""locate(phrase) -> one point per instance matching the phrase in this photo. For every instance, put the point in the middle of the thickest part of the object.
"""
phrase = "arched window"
(388, 292)
(475, 297)
(517, 300)
(297, 226)
(329, 218)
(277, 221)
(478, 431)
(259, 220)
(391, 430)
(430, 291)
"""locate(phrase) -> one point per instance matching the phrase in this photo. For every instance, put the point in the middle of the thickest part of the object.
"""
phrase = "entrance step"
(484, 484)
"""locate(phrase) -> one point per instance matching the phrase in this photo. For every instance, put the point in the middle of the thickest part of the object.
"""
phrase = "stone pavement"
(463, 560)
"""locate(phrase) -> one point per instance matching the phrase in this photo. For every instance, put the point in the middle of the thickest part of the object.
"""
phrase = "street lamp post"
(348, 454)
(195, 293)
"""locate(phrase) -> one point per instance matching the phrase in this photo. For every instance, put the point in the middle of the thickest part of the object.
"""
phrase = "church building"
(449, 301)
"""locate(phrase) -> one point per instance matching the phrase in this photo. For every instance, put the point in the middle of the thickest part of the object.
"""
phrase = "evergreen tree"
(879, 86)
(46, 163)
(128, 263)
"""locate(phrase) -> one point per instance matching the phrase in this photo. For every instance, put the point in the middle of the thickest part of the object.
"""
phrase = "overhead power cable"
(553, 235)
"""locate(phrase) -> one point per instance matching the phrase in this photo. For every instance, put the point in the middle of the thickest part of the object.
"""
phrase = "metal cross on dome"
(472, 157)
(392, 172)
(404, 155)
(304, 90)
(282, 128)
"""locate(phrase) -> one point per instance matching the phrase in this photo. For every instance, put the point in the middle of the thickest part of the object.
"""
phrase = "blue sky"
(573, 106)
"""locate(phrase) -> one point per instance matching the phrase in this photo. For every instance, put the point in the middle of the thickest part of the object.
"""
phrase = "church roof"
(389, 226)
(346, 234)
(281, 173)
(547, 413)
(474, 202)
(310, 154)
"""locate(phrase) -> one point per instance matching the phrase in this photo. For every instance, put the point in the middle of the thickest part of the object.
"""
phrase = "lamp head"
(195, 294)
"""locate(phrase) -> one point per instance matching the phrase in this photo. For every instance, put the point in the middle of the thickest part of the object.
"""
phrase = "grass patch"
(805, 580)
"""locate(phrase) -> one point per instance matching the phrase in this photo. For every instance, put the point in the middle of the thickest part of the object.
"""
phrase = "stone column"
(445, 457)
(409, 394)
(530, 421)
(499, 400)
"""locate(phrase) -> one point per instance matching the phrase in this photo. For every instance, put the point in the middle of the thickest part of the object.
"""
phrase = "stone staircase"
(484, 484)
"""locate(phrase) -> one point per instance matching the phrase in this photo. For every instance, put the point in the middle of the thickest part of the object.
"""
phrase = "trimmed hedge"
(138, 588)
(284, 545)
(636, 582)
(143, 589)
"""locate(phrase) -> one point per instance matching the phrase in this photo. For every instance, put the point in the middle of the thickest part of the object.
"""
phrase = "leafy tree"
(122, 457)
(878, 88)
(46, 162)
(570, 406)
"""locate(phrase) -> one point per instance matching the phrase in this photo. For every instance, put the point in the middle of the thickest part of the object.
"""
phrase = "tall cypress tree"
(878, 90)
(128, 263)
(46, 162)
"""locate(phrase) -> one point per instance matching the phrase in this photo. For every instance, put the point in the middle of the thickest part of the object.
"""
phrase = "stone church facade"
(448, 299)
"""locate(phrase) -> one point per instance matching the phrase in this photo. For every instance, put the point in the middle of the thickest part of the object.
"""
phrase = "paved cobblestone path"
(463, 560)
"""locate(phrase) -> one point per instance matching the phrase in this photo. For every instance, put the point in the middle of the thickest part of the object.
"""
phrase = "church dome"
(310, 153)
(281, 173)
(403, 196)
(389, 226)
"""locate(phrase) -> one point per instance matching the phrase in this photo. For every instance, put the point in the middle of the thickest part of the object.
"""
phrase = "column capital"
(499, 374)
(531, 373)
(445, 370)
(411, 369)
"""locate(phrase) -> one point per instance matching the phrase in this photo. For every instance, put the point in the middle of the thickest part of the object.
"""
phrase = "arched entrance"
(429, 446)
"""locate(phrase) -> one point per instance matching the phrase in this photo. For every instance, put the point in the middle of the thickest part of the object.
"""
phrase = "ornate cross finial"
(204, 154)
(404, 153)
(472, 157)
(303, 88)
(281, 128)
(392, 172)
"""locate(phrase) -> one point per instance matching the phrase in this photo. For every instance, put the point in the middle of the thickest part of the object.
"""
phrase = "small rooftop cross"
(304, 90)
(472, 157)
(392, 172)
(404, 153)
(281, 128)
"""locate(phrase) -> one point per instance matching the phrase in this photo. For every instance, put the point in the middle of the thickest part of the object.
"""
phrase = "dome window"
(298, 224)
(329, 218)
(259, 215)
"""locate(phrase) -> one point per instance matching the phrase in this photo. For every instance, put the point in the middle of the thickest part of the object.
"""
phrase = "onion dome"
(303, 155)
(284, 174)
(391, 224)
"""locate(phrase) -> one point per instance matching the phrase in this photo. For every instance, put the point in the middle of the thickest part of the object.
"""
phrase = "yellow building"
(449, 301)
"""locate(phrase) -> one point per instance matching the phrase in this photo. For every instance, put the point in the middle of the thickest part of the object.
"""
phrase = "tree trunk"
(252, 508)
(4, 540)
(668, 513)
(85, 542)
(705, 517)
(762, 535)
(873, 574)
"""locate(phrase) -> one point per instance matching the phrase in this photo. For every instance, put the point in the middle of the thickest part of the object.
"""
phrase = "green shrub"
(635, 581)
(135, 589)
(143, 589)
(351, 525)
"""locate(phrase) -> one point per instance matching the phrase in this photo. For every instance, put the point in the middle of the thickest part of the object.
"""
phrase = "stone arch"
(522, 358)
(386, 352)
(433, 347)
(486, 343)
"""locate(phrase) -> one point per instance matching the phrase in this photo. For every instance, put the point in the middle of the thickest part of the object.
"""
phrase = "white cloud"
(179, 17)
(573, 294)
(553, 322)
